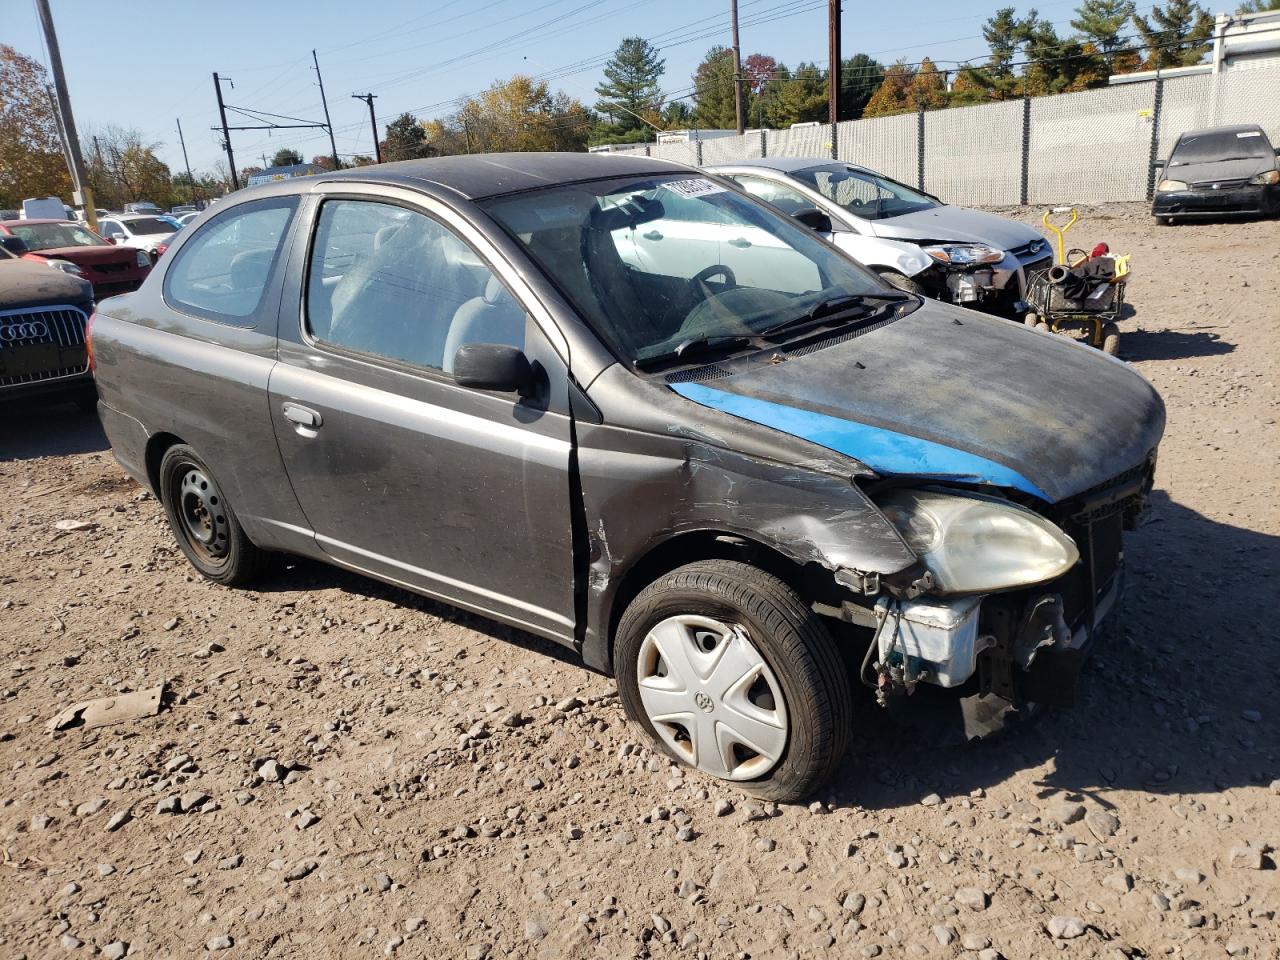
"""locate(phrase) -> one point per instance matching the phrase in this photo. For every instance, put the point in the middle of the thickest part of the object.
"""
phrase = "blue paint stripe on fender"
(884, 451)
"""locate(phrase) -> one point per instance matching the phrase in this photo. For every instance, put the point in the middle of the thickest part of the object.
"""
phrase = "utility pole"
(226, 134)
(325, 103)
(833, 70)
(84, 195)
(62, 131)
(185, 162)
(373, 122)
(737, 69)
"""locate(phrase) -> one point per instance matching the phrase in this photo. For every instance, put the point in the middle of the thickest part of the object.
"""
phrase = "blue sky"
(142, 65)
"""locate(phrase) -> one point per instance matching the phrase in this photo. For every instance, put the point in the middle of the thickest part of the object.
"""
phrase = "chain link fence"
(1089, 147)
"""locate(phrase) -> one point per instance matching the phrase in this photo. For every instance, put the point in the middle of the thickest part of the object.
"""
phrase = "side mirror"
(112, 239)
(15, 245)
(814, 219)
(492, 366)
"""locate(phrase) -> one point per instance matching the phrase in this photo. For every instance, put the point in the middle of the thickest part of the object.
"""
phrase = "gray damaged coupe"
(747, 480)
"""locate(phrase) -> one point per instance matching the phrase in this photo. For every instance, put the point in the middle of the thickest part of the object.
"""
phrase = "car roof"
(477, 176)
(786, 164)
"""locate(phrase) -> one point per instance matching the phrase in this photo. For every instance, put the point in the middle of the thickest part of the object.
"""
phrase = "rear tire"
(691, 633)
(902, 282)
(203, 521)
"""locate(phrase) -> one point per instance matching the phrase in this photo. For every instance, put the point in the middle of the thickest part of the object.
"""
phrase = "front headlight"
(1266, 178)
(972, 543)
(142, 259)
(964, 254)
(66, 266)
(1168, 186)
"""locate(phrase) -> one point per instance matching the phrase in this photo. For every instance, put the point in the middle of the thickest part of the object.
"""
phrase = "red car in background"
(110, 269)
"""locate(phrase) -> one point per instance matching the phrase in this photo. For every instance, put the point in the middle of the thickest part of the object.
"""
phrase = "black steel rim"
(202, 515)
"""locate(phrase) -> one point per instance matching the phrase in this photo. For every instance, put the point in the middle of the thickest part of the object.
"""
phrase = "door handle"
(653, 235)
(301, 416)
(740, 242)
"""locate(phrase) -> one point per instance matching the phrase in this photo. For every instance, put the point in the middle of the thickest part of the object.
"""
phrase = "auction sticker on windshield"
(693, 188)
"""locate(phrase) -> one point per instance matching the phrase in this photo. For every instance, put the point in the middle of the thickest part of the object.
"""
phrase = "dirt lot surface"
(346, 769)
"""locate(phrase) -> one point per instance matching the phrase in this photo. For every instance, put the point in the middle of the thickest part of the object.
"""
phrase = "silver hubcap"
(712, 698)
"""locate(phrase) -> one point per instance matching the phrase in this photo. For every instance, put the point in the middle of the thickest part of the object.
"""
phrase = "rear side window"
(221, 273)
(395, 283)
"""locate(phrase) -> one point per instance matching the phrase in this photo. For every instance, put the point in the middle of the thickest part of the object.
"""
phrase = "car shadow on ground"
(301, 574)
(1172, 344)
(1173, 700)
(30, 429)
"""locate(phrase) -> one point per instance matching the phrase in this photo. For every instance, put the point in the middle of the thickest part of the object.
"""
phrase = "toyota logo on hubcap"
(704, 702)
(35, 330)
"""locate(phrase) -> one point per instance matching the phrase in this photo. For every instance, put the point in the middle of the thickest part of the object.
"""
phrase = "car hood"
(956, 223)
(27, 284)
(948, 394)
(89, 255)
(1213, 170)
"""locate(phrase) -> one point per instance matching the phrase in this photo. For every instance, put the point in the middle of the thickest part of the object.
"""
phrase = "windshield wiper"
(833, 310)
(700, 344)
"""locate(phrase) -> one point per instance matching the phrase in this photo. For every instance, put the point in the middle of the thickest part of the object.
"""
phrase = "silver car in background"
(911, 238)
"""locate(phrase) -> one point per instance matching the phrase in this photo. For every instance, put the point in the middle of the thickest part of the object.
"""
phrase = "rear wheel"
(730, 673)
(203, 521)
(902, 282)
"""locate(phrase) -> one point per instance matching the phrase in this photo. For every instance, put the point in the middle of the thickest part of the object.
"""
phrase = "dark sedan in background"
(1226, 170)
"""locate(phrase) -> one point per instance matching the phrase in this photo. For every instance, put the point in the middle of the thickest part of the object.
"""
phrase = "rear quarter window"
(223, 270)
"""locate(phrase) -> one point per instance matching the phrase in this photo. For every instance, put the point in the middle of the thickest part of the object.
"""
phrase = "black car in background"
(43, 314)
(1226, 170)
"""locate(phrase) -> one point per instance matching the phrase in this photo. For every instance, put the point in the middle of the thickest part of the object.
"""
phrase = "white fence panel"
(886, 144)
(1091, 147)
(973, 155)
(801, 142)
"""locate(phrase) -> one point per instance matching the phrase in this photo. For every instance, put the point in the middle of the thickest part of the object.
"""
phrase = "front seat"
(492, 317)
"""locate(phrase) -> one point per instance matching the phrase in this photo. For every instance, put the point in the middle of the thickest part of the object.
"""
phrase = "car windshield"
(660, 264)
(864, 194)
(47, 236)
(146, 226)
(1220, 145)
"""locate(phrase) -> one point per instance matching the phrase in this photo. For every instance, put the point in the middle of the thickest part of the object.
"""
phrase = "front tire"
(203, 521)
(731, 673)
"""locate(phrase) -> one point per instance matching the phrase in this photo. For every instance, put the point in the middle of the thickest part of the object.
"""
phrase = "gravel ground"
(349, 769)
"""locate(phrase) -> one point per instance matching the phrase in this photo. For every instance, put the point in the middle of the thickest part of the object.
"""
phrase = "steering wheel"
(699, 279)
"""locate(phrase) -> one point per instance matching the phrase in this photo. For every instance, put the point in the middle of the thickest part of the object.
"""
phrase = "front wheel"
(730, 673)
(203, 521)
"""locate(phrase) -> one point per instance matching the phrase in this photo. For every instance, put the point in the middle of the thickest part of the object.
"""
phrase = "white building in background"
(1241, 41)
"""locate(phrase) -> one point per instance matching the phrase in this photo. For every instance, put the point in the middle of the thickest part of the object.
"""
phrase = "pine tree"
(713, 91)
(286, 157)
(860, 75)
(797, 96)
(1001, 33)
(631, 87)
(1102, 23)
(1177, 35)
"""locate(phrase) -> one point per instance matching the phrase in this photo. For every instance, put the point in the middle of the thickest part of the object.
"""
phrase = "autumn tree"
(31, 158)
(928, 88)
(287, 157)
(631, 93)
(124, 168)
(893, 94)
(757, 70)
(1178, 34)
(520, 114)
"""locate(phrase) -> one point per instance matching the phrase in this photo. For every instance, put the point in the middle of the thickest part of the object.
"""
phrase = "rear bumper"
(1210, 203)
